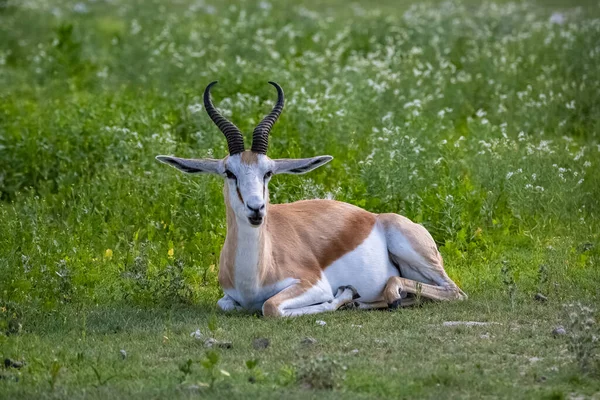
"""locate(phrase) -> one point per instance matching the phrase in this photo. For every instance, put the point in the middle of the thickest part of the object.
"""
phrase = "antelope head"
(246, 172)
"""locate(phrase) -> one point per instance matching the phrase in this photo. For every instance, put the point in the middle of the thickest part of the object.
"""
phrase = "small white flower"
(557, 18)
(80, 8)
(195, 108)
(197, 334)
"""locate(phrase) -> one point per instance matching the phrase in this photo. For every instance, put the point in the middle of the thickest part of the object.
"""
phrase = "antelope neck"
(249, 247)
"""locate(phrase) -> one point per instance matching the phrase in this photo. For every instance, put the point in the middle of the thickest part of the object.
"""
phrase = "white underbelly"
(367, 268)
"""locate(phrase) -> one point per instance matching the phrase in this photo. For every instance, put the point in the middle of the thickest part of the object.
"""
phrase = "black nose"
(256, 210)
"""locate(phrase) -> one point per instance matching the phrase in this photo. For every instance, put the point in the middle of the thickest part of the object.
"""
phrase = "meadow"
(480, 121)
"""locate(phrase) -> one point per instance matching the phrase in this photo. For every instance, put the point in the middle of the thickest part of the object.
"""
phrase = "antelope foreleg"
(227, 303)
(299, 300)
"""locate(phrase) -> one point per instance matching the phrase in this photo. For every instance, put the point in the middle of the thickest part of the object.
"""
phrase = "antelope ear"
(193, 166)
(299, 165)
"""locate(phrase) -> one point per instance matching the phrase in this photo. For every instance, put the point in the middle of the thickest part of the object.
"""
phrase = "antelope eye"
(230, 174)
(268, 174)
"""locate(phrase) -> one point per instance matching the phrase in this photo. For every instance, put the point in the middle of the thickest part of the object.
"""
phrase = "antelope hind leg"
(414, 251)
(396, 290)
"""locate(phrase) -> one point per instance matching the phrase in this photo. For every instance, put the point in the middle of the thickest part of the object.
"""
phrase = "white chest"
(247, 289)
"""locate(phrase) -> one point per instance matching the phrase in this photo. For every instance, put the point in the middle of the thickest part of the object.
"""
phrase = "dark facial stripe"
(239, 194)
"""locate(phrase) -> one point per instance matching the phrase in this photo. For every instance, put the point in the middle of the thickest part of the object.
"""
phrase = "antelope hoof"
(341, 290)
(352, 305)
(395, 304)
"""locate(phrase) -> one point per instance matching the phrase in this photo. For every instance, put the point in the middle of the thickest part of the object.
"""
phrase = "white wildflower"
(557, 18)
(80, 8)
(195, 108)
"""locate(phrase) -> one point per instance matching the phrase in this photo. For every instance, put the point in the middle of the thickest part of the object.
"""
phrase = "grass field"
(480, 121)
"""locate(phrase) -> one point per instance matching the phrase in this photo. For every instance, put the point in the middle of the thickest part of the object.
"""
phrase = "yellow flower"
(108, 254)
(171, 252)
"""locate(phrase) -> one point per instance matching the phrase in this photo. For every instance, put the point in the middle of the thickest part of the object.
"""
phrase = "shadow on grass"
(115, 318)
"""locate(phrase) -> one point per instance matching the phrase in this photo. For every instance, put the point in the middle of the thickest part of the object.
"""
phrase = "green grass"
(480, 121)
(404, 354)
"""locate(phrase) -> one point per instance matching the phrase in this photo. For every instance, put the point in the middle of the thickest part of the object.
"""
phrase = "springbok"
(310, 256)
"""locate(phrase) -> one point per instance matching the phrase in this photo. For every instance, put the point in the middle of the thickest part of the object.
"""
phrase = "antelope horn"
(235, 140)
(260, 136)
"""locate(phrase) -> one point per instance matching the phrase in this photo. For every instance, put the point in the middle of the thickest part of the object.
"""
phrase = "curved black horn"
(235, 140)
(260, 136)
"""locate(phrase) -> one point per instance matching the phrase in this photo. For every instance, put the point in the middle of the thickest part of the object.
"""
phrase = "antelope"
(310, 256)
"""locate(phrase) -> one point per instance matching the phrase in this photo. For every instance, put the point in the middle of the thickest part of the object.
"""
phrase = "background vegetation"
(480, 121)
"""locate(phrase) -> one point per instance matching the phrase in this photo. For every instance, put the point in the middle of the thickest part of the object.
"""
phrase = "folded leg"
(300, 299)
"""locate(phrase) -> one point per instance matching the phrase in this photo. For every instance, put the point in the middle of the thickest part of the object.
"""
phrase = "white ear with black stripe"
(299, 165)
(193, 166)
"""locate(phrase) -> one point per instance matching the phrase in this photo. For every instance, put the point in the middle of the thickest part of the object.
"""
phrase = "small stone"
(309, 341)
(197, 334)
(211, 342)
(468, 323)
(8, 363)
(261, 343)
(123, 354)
(321, 322)
(540, 297)
(559, 331)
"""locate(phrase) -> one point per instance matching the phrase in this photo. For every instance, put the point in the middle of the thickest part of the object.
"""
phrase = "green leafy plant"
(321, 373)
(100, 380)
(286, 376)
(210, 364)
(186, 369)
(509, 282)
(54, 370)
(583, 332)
(256, 374)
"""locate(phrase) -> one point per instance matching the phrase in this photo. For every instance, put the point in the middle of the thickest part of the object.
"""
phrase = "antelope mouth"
(256, 221)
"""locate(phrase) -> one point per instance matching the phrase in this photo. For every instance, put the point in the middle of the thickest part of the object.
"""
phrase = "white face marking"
(248, 188)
